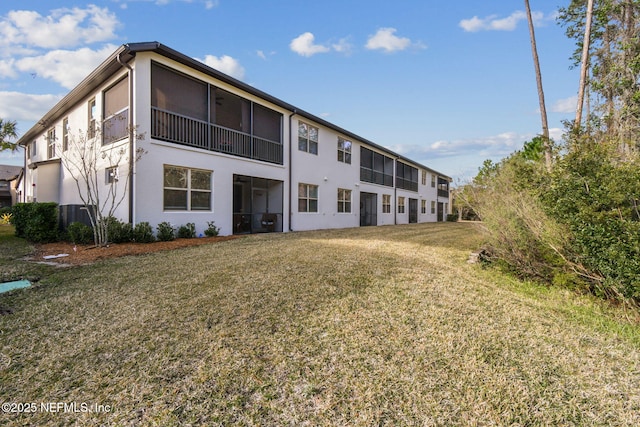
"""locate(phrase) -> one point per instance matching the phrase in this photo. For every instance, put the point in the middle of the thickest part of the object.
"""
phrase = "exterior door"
(440, 212)
(413, 211)
(368, 209)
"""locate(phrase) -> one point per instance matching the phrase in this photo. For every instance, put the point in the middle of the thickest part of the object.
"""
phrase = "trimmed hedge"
(36, 222)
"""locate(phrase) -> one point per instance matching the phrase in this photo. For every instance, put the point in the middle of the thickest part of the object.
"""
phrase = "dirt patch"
(87, 254)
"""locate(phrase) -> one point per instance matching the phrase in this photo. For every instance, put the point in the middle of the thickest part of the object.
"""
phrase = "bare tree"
(102, 172)
(543, 109)
(584, 67)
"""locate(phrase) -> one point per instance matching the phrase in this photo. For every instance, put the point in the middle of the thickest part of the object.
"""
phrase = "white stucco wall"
(323, 169)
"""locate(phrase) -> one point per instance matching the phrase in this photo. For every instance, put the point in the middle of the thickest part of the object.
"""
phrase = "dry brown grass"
(370, 326)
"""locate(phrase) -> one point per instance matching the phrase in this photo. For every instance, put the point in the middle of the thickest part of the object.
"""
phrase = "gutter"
(293, 113)
(131, 132)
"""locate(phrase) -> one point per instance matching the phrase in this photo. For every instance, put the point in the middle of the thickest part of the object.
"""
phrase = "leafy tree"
(8, 131)
(614, 62)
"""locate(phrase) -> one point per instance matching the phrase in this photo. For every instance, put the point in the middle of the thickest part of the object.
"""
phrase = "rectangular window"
(91, 118)
(31, 150)
(344, 200)
(308, 138)
(375, 167)
(424, 177)
(344, 150)
(51, 143)
(386, 203)
(433, 207)
(307, 198)
(65, 134)
(423, 206)
(111, 175)
(400, 204)
(433, 180)
(116, 112)
(187, 189)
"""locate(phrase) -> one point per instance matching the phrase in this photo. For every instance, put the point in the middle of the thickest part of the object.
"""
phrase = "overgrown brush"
(577, 225)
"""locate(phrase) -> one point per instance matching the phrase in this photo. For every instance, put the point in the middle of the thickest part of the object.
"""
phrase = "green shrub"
(36, 222)
(119, 231)
(187, 231)
(595, 192)
(211, 230)
(452, 217)
(143, 233)
(20, 217)
(80, 233)
(166, 232)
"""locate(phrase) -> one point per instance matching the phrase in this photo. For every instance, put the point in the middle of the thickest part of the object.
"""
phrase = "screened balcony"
(188, 111)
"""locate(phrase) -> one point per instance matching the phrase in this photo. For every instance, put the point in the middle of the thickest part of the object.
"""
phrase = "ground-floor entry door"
(368, 209)
(440, 211)
(257, 204)
(413, 211)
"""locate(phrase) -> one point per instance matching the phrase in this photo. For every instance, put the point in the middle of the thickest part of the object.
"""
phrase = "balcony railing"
(184, 130)
(406, 184)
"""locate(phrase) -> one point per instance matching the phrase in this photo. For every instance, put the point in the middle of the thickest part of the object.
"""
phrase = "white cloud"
(66, 67)
(343, 46)
(62, 28)
(24, 107)
(386, 40)
(493, 23)
(208, 4)
(493, 147)
(226, 64)
(566, 105)
(304, 45)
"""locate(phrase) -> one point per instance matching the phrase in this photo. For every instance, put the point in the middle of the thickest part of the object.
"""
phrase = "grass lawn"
(368, 326)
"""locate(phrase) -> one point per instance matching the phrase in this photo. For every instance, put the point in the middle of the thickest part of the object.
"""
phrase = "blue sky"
(448, 84)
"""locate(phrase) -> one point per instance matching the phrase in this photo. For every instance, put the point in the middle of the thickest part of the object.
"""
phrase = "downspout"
(24, 176)
(395, 193)
(293, 113)
(131, 135)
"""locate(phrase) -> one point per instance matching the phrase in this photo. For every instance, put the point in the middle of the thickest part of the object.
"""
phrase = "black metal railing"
(184, 130)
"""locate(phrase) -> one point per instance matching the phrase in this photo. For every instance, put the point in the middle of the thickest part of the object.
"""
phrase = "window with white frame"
(344, 200)
(31, 149)
(423, 206)
(308, 138)
(344, 150)
(91, 118)
(186, 189)
(424, 177)
(65, 134)
(307, 198)
(433, 207)
(115, 125)
(400, 204)
(111, 175)
(433, 180)
(386, 203)
(51, 143)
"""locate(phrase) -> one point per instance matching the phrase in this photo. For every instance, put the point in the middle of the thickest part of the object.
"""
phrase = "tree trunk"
(584, 64)
(543, 110)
